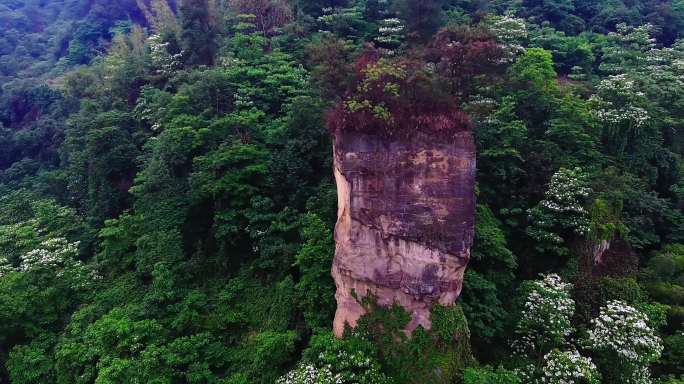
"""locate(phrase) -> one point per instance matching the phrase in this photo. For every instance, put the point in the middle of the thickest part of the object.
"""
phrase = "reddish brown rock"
(405, 220)
(404, 163)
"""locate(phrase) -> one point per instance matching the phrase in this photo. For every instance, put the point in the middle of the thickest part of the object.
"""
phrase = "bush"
(486, 375)
(624, 289)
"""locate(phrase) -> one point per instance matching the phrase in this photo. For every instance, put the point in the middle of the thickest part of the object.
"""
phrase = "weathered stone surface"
(615, 258)
(405, 221)
(599, 250)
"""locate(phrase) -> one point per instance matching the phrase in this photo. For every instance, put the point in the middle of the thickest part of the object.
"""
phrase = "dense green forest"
(167, 200)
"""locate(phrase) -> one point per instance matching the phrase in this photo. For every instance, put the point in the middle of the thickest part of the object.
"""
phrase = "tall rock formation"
(404, 163)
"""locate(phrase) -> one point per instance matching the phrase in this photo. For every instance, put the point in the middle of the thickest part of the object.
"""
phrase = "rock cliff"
(405, 220)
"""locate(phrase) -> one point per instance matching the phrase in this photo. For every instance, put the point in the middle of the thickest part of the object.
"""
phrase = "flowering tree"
(562, 211)
(163, 61)
(308, 374)
(391, 34)
(337, 368)
(545, 321)
(53, 253)
(628, 44)
(544, 331)
(510, 32)
(55, 256)
(5, 267)
(348, 360)
(618, 103)
(623, 338)
(343, 20)
(568, 367)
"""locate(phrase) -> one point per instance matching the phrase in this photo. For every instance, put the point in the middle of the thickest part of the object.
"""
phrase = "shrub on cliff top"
(397, 99)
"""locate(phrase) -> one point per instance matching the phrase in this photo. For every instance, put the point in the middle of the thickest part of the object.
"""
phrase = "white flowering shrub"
(55, 256)
(151, 106)
(53, 253)
(562, 210)
(341, 19)
(308, 374)
(626, 45)
(510, 33)
(350, 360)
(665, 66)
(545, 320)
(618, 101)
(5, 267)
(568, 367)
(391, 33)
(353, 366)
(163, 61)
(622, 336)
(624, 330)
(526, 373)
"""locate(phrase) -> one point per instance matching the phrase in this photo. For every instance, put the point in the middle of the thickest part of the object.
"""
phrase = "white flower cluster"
(665, 66)
(58, 256)
(639, 36)
(568, 367)
(356, 361)
(618, 100)
(164, 62)
(391, 25)
(390, 35)
(563, 206)
(510, 32)
(149, 111)
(624, 330)
(308, 374)
(5, 267)
(526, 373)
(621, 84)
(567, 189)
(52, 253)
(625, 41)
(636, 116)
(334, 15)
(545, 320)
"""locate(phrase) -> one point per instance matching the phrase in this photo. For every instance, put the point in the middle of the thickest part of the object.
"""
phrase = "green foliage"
(673, 354)
(30, 364)
(534, 69)
(487, 375)
(197, 32)
(422, 18)
(315, 283)
(437, 355)
(624, 289)
(482, 306)
(167, 202)
(490, 251)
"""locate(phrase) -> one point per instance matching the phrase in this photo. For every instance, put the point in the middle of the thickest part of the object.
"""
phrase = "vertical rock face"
(405, 219)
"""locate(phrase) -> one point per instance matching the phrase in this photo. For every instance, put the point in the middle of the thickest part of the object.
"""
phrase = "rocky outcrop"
(405, 220)
(599, 249)
(615, 258)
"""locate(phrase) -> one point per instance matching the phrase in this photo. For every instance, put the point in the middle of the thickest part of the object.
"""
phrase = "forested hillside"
(167, 199)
